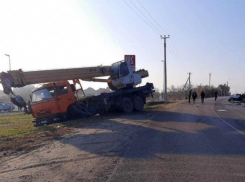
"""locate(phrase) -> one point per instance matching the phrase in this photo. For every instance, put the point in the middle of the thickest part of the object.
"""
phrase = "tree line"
(179, 92)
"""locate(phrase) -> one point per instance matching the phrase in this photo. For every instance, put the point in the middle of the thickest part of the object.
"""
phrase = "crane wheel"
(126, 105)
(79, 110)
(138, 103)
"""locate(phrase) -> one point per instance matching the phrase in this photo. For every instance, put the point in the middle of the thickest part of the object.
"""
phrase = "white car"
(6, 107)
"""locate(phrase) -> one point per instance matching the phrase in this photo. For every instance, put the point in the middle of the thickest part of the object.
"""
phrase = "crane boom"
(20, 78)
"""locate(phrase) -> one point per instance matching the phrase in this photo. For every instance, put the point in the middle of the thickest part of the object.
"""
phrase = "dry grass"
(18, 133)
(156, 105)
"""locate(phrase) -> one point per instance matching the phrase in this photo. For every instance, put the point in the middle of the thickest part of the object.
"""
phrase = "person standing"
(189, 96)
(194, 96)
(202, 96)
(215, 95)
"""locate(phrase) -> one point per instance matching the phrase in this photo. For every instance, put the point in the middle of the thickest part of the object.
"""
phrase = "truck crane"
(57, 100)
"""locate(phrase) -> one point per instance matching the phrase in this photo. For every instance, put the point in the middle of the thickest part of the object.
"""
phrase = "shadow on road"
(143, 135)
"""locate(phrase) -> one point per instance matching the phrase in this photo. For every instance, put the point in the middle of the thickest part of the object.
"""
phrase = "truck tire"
(78, 110)
(138, 103)
(126, 105)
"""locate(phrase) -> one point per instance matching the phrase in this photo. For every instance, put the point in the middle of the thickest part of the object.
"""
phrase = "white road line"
(239, 131)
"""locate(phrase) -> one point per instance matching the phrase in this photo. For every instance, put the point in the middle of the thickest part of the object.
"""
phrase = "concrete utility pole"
(189, 80)
(165, 66)
(224, 90)
(209, 79)
(227, 81)
(9, 61)
(163, 79)
(227, 84)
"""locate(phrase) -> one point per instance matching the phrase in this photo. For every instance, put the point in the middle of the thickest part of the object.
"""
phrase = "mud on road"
(90, 153)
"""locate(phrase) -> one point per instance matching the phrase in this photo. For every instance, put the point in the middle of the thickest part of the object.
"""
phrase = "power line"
(182, 62)
(141, 17)
(174, 48)
(159, 31)
(182, 65)
(179, 65)
(152, 17)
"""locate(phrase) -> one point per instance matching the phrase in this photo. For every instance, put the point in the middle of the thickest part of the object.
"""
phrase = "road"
(10, 113)
(178, 142)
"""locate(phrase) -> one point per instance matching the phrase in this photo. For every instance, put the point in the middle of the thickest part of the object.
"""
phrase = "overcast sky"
(205, 37)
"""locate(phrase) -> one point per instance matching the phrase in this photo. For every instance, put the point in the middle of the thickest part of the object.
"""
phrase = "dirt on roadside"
(30, 138)
(80, 150)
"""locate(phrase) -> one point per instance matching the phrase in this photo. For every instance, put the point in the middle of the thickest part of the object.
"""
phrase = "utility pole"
(189, 80)
(165, 66)
(209, 79)
(185, 85)
(9, 61)
(224, 90)
(163, 80)
(228, 85)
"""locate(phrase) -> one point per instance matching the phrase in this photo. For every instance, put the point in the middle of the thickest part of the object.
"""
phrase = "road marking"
(221, 110)
(239, 131)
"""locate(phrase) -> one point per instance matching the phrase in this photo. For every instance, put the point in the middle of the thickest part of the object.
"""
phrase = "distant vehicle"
(6, 107)
(237, 97)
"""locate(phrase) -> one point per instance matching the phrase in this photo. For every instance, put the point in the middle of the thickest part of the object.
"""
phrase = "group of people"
(193, 94)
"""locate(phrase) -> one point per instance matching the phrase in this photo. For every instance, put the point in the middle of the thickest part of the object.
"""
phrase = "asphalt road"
(10, 113)
(192, 142)
(180, 142)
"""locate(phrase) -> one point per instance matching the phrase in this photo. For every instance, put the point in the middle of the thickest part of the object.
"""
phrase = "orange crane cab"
(52, 99)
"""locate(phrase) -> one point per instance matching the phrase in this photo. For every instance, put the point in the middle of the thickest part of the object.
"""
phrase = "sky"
(205, 37)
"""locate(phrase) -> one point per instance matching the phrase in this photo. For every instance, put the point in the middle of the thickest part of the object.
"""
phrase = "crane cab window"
(62, 90)
(123, 70)
(43, 94)
(114, 72)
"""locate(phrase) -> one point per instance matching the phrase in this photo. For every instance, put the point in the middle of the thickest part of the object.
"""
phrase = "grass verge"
(18, 133)
(156, 104)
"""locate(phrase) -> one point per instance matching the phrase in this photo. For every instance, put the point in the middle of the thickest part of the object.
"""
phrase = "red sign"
(130, 59)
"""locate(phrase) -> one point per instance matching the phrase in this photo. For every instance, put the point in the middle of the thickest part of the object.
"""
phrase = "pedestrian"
(194, 96)
(202, 96)
(215, 95)
(189, 96)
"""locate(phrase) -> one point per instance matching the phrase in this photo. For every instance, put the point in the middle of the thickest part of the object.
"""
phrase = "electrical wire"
(174, 48)
(151, 25)
(140, 16)
(179, 65)
(159, 31)
(151, 16)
